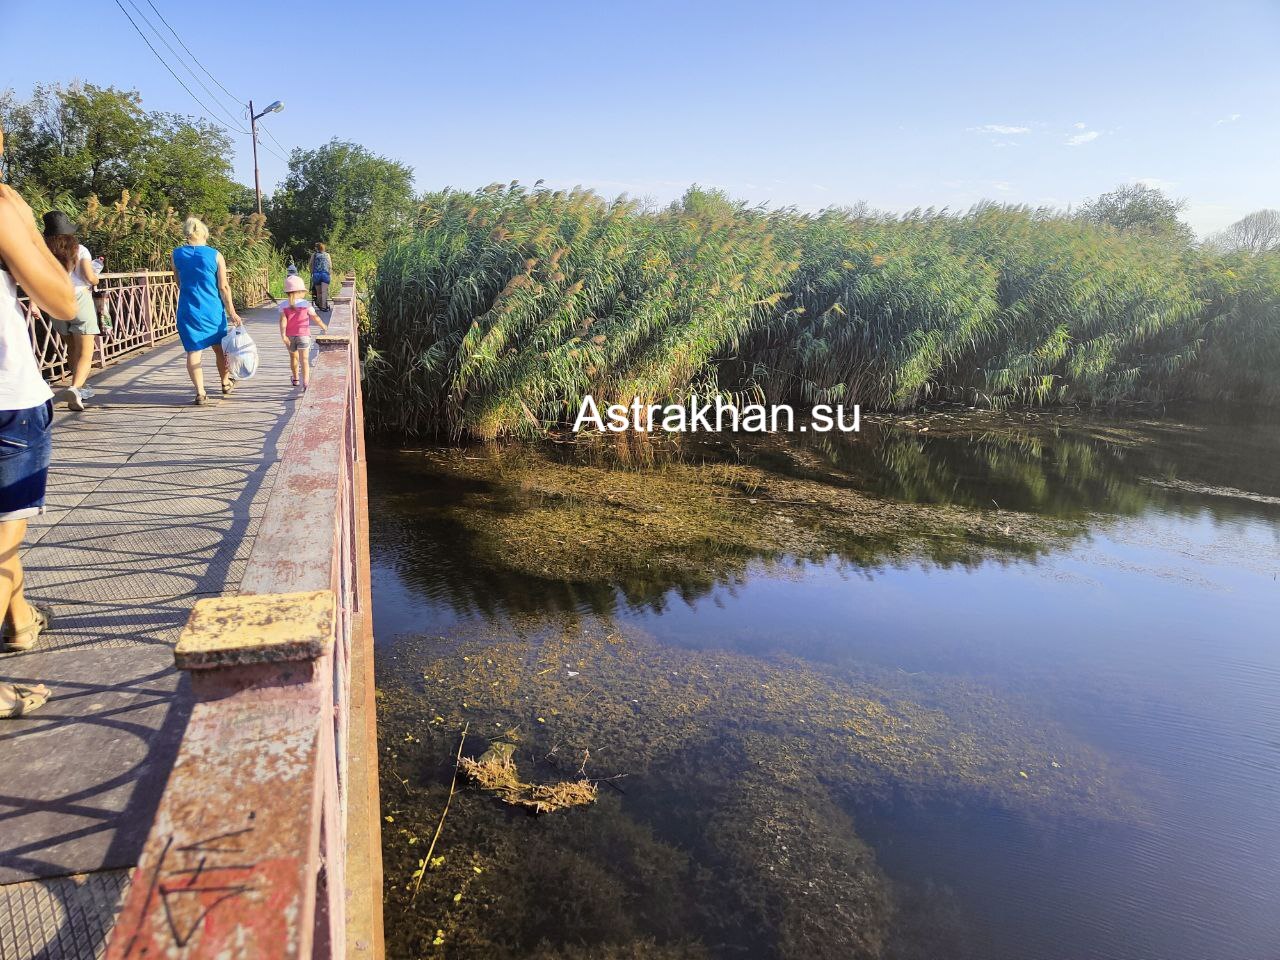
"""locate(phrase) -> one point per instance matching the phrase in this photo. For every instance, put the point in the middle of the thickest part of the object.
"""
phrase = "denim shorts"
(299, 344)
(25, 446)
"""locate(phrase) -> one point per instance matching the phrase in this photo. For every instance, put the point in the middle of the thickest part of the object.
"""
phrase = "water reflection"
(1017, 473)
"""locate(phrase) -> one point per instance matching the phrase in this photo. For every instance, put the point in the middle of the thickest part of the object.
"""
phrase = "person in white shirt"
(26, 418)
(79, 330)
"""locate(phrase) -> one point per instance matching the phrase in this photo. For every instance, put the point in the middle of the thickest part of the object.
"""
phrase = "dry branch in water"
(495, 771)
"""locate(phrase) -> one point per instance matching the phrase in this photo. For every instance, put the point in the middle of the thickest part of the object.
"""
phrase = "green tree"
(341, 193)
(79, 141)
(187, 166)
(1136, 208)
(83, 140)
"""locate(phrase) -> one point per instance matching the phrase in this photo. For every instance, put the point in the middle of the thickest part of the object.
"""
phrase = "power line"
(212, 93)
(236, 100)
(274, 153)
(273, 137)
(196, 60)
(208, 113)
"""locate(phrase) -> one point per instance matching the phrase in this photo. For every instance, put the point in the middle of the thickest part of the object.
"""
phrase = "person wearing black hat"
(78, 331)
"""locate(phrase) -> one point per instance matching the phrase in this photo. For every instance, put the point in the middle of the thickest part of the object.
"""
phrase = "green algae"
(698, 522)
(737, 830)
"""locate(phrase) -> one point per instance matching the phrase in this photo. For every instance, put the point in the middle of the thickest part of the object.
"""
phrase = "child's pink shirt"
(297, 319)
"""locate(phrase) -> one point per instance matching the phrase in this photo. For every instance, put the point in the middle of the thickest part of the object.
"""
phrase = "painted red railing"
(266, 841)
(138, 310)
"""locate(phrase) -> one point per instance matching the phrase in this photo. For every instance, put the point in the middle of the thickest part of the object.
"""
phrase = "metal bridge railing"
(140, 311)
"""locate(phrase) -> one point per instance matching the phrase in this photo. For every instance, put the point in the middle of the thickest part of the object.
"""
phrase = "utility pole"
(253, 130)
(253, 127)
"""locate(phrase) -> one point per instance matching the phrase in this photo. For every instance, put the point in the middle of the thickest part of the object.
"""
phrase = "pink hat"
(294, 284)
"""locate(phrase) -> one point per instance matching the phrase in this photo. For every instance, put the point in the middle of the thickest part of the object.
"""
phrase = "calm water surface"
(1149, 635)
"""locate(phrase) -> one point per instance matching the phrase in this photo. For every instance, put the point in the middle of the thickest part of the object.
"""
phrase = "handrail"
(266, 841)
(137, 310)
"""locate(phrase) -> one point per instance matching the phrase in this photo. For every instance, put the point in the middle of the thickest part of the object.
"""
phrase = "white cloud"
(1230, 118)
(1080, 126)
(1004, 129)
(1080, 139)
(1004, 186)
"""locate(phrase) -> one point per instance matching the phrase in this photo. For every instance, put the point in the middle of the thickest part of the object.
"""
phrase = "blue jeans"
(26, 443)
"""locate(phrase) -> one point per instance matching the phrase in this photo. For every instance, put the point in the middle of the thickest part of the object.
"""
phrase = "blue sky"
(899, 104)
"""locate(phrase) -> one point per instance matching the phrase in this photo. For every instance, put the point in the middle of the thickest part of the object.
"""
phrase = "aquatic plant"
(557, 527)
(506, 306)
(735, 831)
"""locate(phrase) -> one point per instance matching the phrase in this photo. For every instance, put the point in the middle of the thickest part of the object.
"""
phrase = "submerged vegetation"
(734, 827)
(507, 306)
(767, 776)
(718, 789)
(598, 527)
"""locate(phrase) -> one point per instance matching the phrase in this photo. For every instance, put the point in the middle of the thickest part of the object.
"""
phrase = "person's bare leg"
(220, 356)
(80, 347)
(293, 365)
(195, 372)
(17, 612)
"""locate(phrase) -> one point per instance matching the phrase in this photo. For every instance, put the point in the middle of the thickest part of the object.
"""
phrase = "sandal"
(25, 700)
(15, 641)
(227, 386)
(200, 400)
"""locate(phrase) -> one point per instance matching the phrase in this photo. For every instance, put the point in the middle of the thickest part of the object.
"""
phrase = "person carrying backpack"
(321, 268)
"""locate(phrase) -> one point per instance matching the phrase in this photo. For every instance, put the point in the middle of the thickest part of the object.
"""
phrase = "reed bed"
(132, 238)
(505, 307)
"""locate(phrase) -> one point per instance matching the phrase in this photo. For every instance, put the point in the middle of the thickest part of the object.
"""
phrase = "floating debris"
(495, 771)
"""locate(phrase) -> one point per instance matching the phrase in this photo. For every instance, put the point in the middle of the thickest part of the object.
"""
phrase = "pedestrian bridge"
(200, 784)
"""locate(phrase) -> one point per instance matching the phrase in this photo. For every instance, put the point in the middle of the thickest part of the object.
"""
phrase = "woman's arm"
(86, 267)
(23, 250)
(224, 288)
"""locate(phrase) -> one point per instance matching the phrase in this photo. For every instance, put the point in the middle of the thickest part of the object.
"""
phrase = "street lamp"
(253, 126)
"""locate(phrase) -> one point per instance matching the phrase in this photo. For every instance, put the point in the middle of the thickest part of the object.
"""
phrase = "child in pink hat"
(296, 315)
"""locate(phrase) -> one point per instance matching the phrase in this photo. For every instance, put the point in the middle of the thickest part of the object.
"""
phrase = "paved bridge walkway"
(153, 503)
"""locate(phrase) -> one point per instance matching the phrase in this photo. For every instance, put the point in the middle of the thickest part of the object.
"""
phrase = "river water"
(963, 685)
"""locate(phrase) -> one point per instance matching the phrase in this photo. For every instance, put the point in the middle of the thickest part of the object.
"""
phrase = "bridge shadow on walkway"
(153, 503)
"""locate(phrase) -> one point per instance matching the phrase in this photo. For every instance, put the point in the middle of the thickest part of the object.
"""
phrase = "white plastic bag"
(242, 353)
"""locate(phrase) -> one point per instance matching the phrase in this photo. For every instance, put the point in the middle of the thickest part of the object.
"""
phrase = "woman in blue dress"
(204, 304)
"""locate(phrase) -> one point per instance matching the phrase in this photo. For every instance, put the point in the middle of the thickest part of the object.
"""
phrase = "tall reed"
(132, 238)
(505, 307)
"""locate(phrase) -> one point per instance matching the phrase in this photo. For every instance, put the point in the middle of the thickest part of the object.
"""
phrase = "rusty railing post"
(234, 859)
